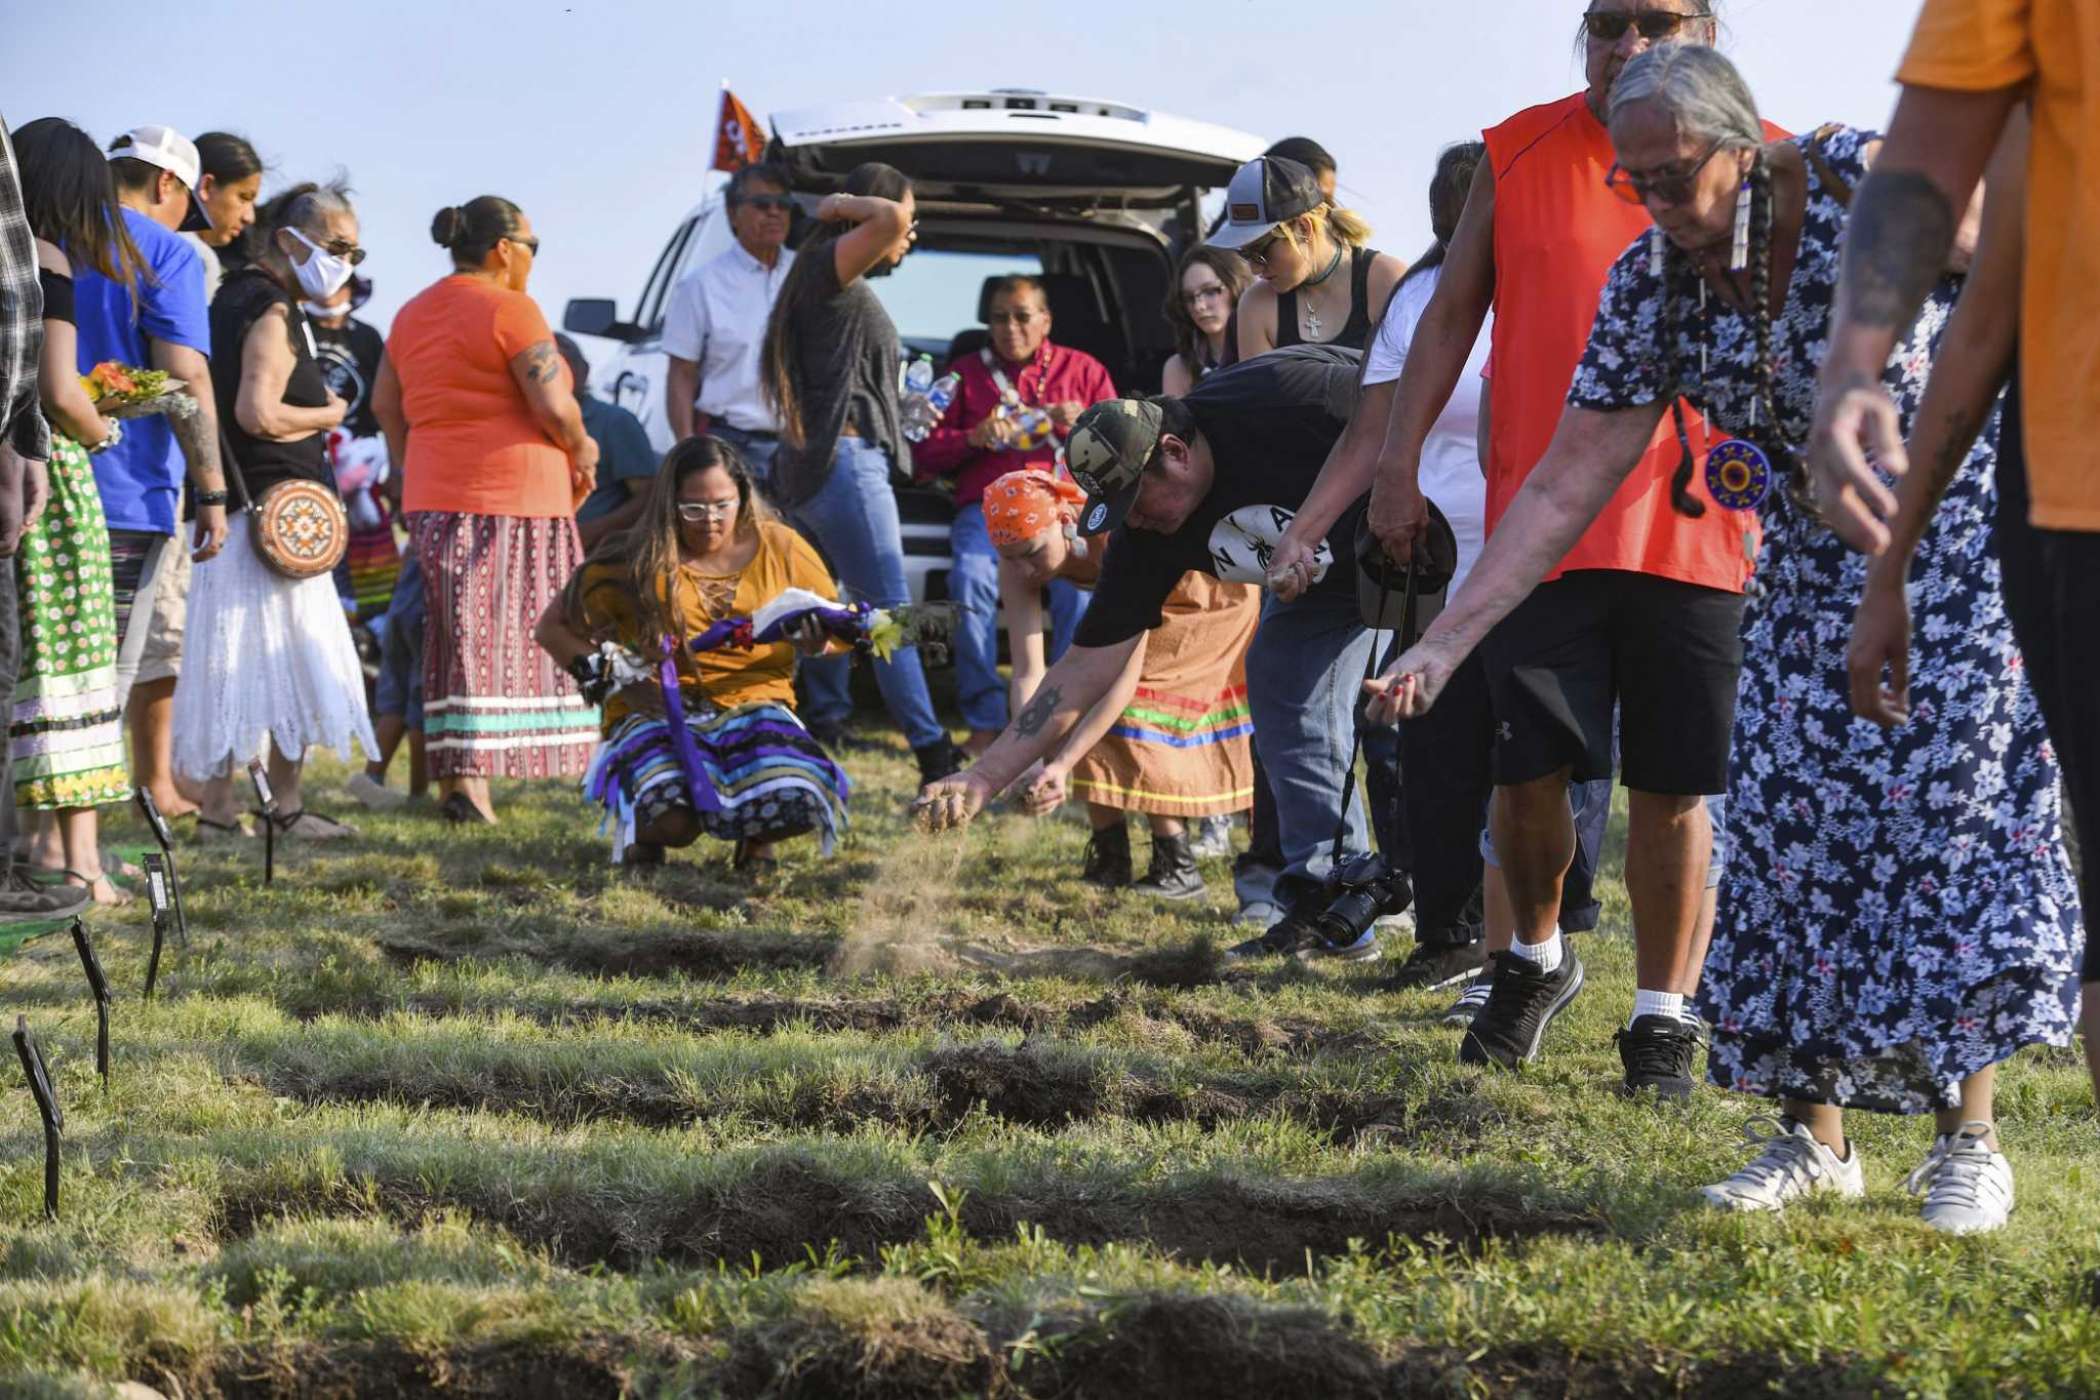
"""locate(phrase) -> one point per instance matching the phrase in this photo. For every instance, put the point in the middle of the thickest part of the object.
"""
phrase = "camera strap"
(1356, 734)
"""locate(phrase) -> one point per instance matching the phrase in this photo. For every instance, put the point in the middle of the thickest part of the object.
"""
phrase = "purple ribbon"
(848, 623)
(705, 798)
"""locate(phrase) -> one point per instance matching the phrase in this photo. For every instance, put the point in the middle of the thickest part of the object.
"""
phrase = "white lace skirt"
(264, 657)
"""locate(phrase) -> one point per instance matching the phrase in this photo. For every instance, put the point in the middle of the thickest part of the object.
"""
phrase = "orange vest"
(1558, 231)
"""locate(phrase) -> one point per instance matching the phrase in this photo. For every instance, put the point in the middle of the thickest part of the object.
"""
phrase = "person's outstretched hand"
(1881, 645)
(950, 803)
(1856, 429)
(1291, 566)
(1409, 686)
(1044, 791)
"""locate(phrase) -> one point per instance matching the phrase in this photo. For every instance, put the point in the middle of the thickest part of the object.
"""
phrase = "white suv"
(1096, 198)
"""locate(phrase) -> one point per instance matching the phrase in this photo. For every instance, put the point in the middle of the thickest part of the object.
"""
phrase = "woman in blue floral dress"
(1897, 915)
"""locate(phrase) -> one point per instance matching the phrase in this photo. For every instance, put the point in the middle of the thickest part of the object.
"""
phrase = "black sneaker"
(1522, 1002)
(1433, 965)
(1657, 1053)
(25, 902)
(1173, 874)
(939, 759)
(1297, 936)
(1108, 857)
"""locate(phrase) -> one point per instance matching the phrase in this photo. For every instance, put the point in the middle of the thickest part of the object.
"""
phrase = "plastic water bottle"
(918, 378)
(923, 410)
(942, 394)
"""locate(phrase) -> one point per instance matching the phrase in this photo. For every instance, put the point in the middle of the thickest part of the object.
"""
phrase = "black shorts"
(1665, 654)
(2052, 595)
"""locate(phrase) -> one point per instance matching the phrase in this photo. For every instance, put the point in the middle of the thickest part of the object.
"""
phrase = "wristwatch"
(210, 498)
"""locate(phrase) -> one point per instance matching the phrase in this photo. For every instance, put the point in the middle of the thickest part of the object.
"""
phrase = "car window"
(648, 312)
(933, 294)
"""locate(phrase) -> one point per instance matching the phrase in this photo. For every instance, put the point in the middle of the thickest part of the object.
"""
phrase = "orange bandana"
(1021, 505)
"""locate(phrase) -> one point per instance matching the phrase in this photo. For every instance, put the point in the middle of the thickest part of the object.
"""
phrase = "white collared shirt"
(717, 318)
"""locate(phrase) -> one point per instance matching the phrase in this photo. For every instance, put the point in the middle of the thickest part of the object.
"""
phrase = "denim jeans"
(973, 581)
(756, 449)
(853, 521)
(1305, 676)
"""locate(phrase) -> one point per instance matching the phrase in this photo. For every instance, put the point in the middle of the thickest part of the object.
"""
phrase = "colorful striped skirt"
(752, 773)
(494, 703)
(66, 730)
(1181, 746)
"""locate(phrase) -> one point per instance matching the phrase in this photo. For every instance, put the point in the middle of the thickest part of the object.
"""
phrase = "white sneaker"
(1967, 1184)
(1213, 839)
(373, 794)
(1791, 1164)
(1470, 1001)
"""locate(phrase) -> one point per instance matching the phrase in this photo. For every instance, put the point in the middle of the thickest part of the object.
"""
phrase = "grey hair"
(310, 209)
(1701, 90)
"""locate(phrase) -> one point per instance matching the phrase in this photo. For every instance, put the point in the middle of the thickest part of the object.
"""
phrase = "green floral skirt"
(66, 731)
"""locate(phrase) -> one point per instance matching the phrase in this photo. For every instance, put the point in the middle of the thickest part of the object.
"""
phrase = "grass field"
(463, 1113)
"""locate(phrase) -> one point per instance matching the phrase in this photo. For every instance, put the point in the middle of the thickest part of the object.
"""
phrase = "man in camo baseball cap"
(1107, 453)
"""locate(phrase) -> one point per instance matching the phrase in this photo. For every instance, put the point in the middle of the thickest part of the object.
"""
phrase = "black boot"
(939, 759)
(1108, 857)
(1173, 874)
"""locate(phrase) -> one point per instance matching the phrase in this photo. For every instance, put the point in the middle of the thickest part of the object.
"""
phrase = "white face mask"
(319, 312)
(323, 274)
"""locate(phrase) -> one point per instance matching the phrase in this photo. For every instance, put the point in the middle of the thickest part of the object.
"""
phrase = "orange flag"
(739, 139)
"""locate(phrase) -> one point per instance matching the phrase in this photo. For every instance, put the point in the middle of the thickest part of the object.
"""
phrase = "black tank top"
(1356, 331)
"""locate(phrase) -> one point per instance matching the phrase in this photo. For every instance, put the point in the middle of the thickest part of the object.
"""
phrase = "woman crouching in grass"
(697, 743)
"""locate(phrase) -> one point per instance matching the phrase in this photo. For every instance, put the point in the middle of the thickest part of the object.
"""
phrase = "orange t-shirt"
(1982, 45)
(473, 444)
(1558, 231)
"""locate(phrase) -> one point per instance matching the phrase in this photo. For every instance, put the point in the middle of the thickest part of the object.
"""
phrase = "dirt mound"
(874, 1342)
(378, 1371)
(1205, 1347)
(608, 954)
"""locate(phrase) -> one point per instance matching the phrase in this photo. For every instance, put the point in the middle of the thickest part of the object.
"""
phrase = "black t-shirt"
(1269, 423)
(58, 295)
(847, 359)
(243, 298)
(350, 356)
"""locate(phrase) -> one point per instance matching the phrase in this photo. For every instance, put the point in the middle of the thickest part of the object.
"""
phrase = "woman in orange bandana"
(1171, 739)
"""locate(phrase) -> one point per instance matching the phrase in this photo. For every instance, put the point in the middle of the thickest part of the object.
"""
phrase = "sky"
(596, 116)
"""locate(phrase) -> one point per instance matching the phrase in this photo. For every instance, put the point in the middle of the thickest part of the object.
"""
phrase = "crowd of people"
(1734, 465)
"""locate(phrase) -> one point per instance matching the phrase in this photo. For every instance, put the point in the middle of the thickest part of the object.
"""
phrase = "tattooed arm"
(1975, 358)
(1072, 688)
(537, 371)
(1901, 234)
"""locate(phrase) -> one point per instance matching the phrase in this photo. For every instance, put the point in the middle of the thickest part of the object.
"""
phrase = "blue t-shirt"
(140, 479)
(624, 455)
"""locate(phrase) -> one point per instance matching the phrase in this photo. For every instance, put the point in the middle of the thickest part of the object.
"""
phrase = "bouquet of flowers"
(865, 626)
(125, 391)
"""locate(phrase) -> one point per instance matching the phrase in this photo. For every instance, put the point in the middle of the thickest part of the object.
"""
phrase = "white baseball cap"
(173, 152)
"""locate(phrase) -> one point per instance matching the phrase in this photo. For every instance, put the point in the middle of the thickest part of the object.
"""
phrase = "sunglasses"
(1667, 184)
(1215, 292)
(1010, 318)
(1610, 26)
(1257, 254)
(772, 203)
(693, 512)
(335, 248)
(530, 245)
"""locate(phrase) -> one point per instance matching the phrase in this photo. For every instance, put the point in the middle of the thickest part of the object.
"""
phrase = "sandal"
(745, 859)
(210, 831)
(94, 884)
(459, 809)
(309, 825)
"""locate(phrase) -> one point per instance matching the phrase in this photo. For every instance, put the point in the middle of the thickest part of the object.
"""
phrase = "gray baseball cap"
(1265, 192)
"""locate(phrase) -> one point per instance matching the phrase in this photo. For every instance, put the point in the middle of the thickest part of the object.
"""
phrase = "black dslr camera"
(1360, 891)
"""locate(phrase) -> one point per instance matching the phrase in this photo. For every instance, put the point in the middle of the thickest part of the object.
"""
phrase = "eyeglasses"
(1258, 253)
(772, 203)
(530, 245)
(1610, 26)
(1010, 318)
(693, 512)
(1667, 184)
(1214, 292)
